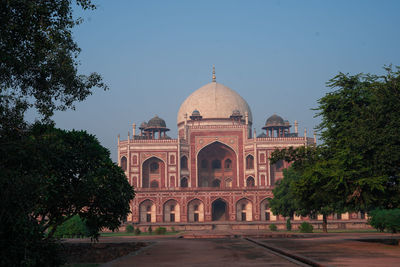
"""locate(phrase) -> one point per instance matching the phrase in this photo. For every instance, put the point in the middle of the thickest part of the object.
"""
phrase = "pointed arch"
(215, 161)
(195, 210)
(147, 211)
(153, 172)
(244, 210)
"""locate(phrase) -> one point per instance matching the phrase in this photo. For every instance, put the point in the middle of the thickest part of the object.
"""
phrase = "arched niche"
(153, 173)
(211, 161)
(195, 211)
(147, 210)
(219, 209)
(171, 210)
(124, 163)
(244, 210)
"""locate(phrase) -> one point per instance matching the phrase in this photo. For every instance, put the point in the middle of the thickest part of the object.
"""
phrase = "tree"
(360, 122)
(52, 176)
(283, 202)
(309, 187)
(46, 174)
(38, 64)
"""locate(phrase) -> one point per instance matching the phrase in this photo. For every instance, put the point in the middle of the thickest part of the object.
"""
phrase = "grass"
(133, 234)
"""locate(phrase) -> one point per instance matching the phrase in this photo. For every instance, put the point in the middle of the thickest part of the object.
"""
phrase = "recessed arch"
(249, 162)
(220, 210)
(153, 172)
(265, 211)
(147, 211)
(195, 210)
(184, 163)
(124, 163)
(250, 182)
(171, 211)
(211, 160)
(184, 182)
(244, 210)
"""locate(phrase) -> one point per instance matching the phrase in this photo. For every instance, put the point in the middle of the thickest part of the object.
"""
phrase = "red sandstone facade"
(216, 170)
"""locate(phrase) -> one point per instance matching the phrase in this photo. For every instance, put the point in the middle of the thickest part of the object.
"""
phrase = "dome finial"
(213, 74)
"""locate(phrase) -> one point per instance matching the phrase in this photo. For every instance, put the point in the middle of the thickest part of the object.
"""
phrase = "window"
(216, 183)
(216, 164)
(172, 207)
(196, 207)
(184, 163)
(228, 164)
(228, 183)
(249, 162)
(154, 184)
(124, 163)
(267, 216)
(196, 217)
(172, 217)
(154, 167)
(184, 182)
(250, 182)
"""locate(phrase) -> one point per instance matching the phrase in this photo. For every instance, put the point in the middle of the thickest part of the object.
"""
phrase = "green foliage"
(283, 202)
(137, 231)
(160, 231)
(38, 70)
(306, 227)
(173, 229)
(388, 220)
(39, 57)
(73, 227)
(273, 227)
(150, 230)
(129, 228)
(360, 122)
(288, 225)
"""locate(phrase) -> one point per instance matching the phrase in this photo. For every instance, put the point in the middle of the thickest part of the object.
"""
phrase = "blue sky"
(277, 55)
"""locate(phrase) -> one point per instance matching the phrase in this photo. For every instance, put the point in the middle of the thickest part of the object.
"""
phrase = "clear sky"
(277, 55)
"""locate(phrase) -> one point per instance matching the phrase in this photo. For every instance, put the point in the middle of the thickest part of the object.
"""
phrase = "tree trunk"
(324, 223)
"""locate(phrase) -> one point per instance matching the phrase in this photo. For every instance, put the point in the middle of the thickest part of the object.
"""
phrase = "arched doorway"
(196, 211)
(265, 212)
(147, 211)
(219, 210)
(244, 210)
(153, 173)
(172, 211)
(215, 162)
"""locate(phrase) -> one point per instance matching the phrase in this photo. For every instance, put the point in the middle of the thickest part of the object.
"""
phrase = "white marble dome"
(214, 101)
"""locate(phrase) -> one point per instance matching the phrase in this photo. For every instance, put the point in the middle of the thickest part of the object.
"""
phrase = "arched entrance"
(196, 211)
(219, 210)
(216, 162)
(153, 172)
(147, 211)
(244, 210)
(172, 211)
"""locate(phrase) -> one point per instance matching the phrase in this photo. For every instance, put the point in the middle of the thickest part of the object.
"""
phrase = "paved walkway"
(202, 252)
(228, 249)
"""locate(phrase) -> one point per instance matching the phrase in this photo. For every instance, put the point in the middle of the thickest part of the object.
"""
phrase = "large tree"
(360, 126)
(46, 174)
(50, 176)
(311, 183)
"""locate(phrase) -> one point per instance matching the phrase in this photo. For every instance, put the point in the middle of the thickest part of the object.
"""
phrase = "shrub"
(306, 227)
(137, 231)
(150, 230)
(161, 231)
(74, 227)
(173, 229)
(388, 220)
(273, 227)
(288, 225)
(129, 228)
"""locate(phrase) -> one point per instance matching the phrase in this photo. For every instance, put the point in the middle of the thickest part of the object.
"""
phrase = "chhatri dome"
(214, 101)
